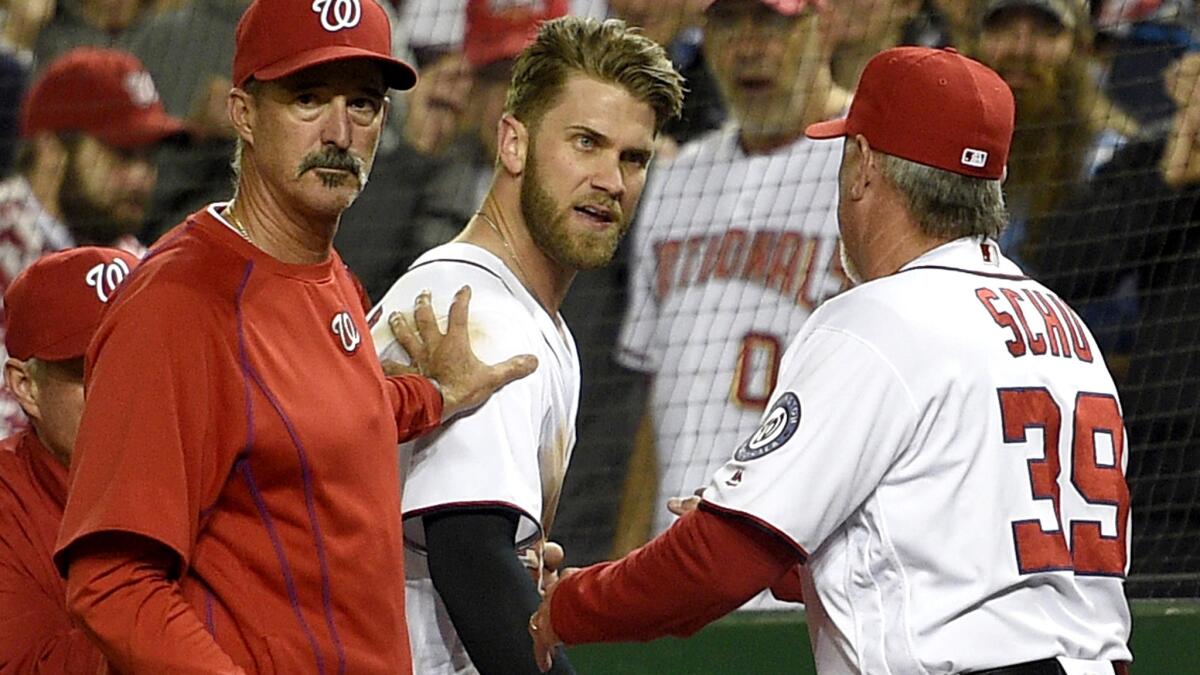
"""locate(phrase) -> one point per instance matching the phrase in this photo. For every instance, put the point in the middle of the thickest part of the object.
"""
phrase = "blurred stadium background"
(732, 248)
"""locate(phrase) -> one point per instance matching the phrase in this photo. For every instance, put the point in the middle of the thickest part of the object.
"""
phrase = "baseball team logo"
(105, 278)
(975, 158)
(338, 14)
(345, 330)
(779, 425)
(140, 87)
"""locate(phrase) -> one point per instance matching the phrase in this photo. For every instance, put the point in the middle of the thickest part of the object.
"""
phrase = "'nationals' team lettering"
(777, 259)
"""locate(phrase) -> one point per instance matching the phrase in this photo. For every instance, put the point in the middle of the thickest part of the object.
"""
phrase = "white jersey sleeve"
(839, 419)
(497, 454)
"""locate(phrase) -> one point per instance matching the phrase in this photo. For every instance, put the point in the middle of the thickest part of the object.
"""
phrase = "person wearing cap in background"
(496, 33)
(53, 309)
(234, 493)
(1065, 128)
(84, 168)
(911, 452)
(740, 225)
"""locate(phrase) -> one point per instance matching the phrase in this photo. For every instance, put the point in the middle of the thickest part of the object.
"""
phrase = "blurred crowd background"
(735, 242)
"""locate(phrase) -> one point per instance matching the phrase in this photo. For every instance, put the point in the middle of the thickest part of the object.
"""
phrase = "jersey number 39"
(1099, 481)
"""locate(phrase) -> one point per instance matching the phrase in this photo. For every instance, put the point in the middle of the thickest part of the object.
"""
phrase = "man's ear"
(241, 108)
(512, 142)
(23, 387)
(51, 157)
(863, 168)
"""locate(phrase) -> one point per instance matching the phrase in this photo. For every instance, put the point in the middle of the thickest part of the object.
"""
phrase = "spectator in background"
(736, 241)
(84, 167)
(53, 309)
(946, 23)
(23, 22)
(1143, 39)
(1065, 126)
(444, 164)
(676, 25)
(78, 23)
(14, 77)
(190, 177)
(863, 28)
(1140, 215)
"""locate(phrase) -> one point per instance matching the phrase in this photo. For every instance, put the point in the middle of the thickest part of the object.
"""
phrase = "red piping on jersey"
(482, 504)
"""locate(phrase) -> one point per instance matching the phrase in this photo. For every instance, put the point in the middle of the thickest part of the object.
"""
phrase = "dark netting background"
(736, 240)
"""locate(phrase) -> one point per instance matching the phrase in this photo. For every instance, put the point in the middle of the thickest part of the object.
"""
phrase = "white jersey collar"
(980, 255)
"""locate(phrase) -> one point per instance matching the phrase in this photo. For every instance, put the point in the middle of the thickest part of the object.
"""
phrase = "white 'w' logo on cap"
(105, 278)
(338, 14)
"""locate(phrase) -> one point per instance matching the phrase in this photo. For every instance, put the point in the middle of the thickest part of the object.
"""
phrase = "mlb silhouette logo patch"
(974, 158)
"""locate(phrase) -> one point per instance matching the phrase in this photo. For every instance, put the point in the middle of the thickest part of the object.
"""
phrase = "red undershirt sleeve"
(674, 585)
(417, 404)
(119, 588)
(36, 636)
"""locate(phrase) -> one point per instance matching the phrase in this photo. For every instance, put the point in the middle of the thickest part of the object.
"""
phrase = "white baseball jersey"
(946, 446)
(512, 451)
(731, 254)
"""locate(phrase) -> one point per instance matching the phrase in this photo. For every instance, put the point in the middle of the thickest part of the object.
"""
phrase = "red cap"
(931, 106)
(104, 93)
(784, 7)
(501, 29)
(53, 307)
(276, 38)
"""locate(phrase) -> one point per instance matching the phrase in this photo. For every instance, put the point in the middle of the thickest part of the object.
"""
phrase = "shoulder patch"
(778, 427)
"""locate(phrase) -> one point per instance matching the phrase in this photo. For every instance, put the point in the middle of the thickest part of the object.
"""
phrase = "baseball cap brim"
(71, 346)
(396, 73)
(826, 130)
(150, 127)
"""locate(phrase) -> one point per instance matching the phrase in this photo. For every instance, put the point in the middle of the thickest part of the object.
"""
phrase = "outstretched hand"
(541, 629)
(447, 358)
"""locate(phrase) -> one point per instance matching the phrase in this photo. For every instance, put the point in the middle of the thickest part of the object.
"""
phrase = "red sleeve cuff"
(674, 585)
(418, 405)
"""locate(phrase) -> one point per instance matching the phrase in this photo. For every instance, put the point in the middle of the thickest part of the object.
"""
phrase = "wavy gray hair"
(947, 205)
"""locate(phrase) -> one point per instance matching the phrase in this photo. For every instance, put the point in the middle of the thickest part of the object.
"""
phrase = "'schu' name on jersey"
(1044, 330)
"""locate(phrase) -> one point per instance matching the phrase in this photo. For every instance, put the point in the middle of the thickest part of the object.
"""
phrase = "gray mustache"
(332, 158)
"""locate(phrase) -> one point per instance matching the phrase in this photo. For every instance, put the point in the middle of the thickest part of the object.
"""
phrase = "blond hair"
(607, 51)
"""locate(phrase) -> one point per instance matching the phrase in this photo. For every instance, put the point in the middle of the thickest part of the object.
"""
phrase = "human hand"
(543, 563)
(25, 19)
(465, 381)
(541, 628)
(437, 105)
(681, 505)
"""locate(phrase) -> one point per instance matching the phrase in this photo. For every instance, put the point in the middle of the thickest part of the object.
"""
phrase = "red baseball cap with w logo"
(276, 38)
(53, 307)
(105, 93)
(931, 106)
